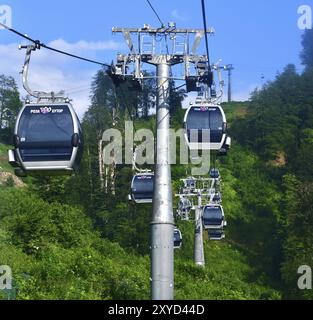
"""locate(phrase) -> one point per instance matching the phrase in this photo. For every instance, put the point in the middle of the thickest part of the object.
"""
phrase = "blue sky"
(257, 37)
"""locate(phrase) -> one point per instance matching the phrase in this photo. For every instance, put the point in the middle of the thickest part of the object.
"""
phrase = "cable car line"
(155, 12)
(19, 34)
(206, 35)
(39, 45)
(75, 56)
(179, 87)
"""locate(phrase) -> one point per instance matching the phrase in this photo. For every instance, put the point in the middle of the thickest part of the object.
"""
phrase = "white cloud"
(51, 71)
(179, 16)
(83, 45)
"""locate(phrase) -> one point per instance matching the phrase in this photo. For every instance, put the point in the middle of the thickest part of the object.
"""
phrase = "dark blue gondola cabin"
(213, 217)
(48, 139)
(214, 174)
(216, 235)
(178, 239)
(205, 127)
(142, 188)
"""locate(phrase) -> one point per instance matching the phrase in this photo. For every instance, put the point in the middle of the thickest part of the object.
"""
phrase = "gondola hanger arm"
(25, 71)
(29, 50)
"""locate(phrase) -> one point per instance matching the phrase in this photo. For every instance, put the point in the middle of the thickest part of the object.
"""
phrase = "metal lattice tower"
(175, 50)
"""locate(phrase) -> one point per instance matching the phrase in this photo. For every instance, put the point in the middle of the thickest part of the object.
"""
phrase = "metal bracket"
(198, 37)
(36, 94)
(129, 41)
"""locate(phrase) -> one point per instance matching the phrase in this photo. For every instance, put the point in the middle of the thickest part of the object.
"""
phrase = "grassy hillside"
(236, 110)
(7, 176)
(4, 166)
(70, 254)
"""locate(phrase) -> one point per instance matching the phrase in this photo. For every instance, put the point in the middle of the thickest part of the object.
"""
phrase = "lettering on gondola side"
(46, 110)
(144, 177)
(35, 111)
(57, 111)
(204, 109)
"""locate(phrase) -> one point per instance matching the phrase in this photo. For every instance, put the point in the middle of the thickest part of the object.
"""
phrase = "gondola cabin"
(222, 152)
(184, 205)
(48, 139)
(216, 235)
(205, 127)
(142, 188)
(213, 217)
(178, 239)
(214, 174)
(217, 198)
(190, 184)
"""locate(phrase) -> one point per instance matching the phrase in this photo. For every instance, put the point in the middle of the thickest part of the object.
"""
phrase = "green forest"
(65, 238)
